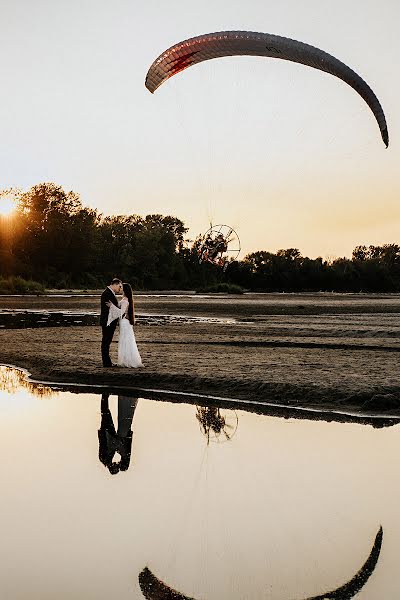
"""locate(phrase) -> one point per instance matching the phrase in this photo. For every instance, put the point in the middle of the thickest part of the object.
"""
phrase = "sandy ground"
(322, 350)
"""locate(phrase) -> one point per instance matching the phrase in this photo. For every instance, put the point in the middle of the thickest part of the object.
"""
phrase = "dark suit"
(108, 331)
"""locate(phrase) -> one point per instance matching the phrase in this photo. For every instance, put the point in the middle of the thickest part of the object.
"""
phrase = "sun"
(7, 206)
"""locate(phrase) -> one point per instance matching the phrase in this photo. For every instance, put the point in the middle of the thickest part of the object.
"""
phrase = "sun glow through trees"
(8, 201)
(7, 206)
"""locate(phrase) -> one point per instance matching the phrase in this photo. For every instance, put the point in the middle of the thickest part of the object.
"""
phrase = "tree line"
(55, 240)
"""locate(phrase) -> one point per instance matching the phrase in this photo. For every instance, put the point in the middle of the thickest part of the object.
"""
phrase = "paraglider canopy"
(233, 43)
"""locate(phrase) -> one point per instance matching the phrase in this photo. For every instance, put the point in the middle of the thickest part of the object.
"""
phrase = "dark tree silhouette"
(54, 240)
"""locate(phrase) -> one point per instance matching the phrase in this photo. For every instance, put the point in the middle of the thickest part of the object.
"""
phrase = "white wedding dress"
(128, 353)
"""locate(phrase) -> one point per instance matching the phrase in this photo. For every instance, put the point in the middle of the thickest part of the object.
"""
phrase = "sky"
(286, 155)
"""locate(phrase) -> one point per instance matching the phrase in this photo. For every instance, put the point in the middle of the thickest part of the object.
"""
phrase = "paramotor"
(219, 245)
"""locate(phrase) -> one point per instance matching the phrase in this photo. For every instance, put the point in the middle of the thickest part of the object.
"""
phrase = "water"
(278, 508)
(22, 318)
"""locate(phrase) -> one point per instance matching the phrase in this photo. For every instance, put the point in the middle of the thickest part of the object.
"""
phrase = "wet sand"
(321, 350)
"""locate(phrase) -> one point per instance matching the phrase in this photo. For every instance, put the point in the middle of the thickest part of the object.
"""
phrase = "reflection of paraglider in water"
(218, 425)
(112, 441)
(219, 245)
(234, 43)
(155, 589)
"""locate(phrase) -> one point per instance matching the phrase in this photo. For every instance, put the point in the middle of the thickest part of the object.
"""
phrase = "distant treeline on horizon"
(54, 240)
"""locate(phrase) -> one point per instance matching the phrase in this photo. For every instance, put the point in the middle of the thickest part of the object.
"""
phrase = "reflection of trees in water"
(12, 380)
(217, 424)
(155, 589)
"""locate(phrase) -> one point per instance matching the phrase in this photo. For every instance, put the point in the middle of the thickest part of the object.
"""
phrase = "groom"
(109, 295)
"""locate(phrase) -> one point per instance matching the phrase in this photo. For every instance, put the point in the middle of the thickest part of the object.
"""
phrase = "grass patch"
(222, 288)
(18, 285)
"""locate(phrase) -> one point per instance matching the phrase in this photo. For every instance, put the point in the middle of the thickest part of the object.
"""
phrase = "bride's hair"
(128, 293)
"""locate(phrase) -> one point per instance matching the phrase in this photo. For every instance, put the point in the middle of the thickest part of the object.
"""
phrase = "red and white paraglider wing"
(234, 43)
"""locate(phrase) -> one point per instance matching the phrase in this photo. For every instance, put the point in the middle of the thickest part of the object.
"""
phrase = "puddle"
(22, 318)
(110, 494)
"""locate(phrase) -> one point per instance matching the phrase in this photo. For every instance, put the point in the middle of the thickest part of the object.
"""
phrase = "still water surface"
(218, 505)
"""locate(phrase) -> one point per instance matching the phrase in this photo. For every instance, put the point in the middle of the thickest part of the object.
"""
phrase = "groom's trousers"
(108, 333)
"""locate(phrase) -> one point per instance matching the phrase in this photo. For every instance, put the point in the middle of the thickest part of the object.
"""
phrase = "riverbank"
(310, 350)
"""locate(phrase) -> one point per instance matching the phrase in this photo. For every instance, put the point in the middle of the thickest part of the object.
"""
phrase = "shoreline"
(342, 355)
(265, 408)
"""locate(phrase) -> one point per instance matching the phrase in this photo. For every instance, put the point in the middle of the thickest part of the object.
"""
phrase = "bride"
(128, 353)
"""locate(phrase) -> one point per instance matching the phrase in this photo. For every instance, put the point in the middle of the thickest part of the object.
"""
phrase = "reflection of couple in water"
(116, 441)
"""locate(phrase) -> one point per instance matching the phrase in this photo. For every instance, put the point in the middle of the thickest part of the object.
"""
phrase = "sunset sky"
(285, 154)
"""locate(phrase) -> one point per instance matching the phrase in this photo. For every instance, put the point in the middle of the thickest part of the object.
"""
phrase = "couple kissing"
(115, 311)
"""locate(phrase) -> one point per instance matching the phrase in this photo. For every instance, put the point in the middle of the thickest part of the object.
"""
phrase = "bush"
(224, 288)
(18, 285)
